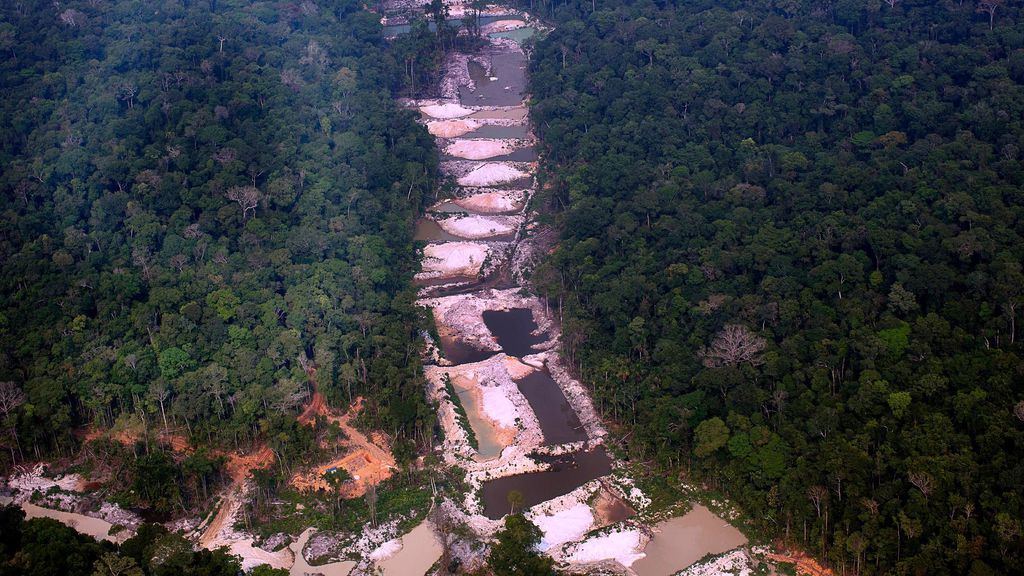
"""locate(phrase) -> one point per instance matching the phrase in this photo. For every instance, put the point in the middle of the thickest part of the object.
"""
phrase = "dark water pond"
(509, 71)
(448, 207)
(492, 131)
(514, 330)
(567, 473)
(519, 155)
(558, 421)
(458, 352)
(428, 230)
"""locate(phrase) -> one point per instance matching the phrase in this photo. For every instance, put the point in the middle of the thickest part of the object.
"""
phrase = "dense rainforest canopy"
(791, 260)
(203, 203)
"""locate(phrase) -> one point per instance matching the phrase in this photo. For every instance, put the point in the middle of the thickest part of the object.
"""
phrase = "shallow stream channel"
(524, 430)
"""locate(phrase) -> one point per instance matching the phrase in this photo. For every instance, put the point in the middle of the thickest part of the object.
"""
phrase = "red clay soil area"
(368, 462)
(804, 563)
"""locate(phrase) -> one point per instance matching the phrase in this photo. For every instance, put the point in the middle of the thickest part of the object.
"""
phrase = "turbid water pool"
(683, 540)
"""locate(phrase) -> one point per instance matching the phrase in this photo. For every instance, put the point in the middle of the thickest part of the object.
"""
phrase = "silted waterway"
(523, 430)
(567, 473)
(497, 351)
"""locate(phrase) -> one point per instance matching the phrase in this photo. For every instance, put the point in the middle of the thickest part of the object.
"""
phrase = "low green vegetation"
(460, 411)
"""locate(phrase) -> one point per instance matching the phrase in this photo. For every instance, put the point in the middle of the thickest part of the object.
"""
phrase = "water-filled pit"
(558, 421)
(567, 472)
(502, 85)
(514, 330)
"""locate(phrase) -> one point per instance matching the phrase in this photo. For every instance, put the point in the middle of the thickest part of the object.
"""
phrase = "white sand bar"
(446, 111)
(564, 526)
(491, 174)
(494, 202)
(623, 547)
(452, 128)
(478, 227)
(452, 259)
(480, 149)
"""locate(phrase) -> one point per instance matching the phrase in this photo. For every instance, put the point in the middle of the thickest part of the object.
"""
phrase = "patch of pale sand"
(446, 111)
(503, 26)
(516, 369)
(452, 259)
(480, 149)
(491, 435)
(493, 202)
(386, 550)
(497, 401)
(478, 227)
(623, 547)
(452, 128)
(564, 525)
(498, 407)
(32, 480)
(491, 174)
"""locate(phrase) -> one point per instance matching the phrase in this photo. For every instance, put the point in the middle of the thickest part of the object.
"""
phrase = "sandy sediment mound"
(502, 26)
(446, 110)
(491, 174)
(624, 545)
(452, 128)
(502, 404)
(26, 481)
(457, 168)
(479, 227)
(452, 259)
(463, 314)
(564, 525)
(496, 202)
(481, 148)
